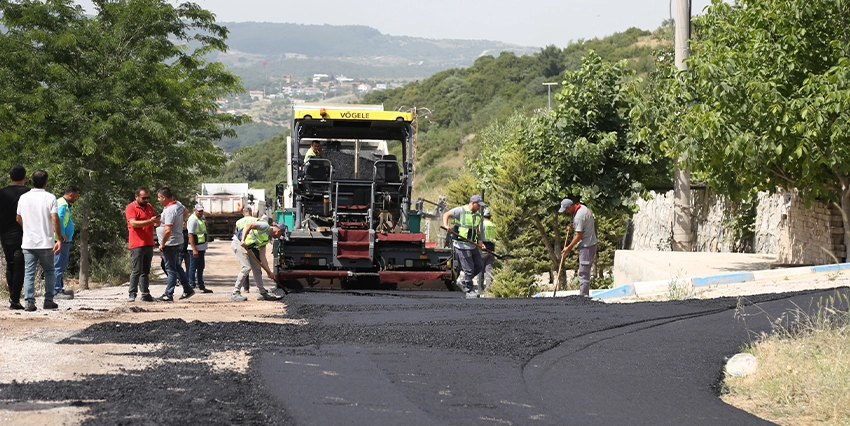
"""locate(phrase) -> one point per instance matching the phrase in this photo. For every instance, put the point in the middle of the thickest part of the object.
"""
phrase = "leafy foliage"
(765, 103)
(112, 101)
(583, 150)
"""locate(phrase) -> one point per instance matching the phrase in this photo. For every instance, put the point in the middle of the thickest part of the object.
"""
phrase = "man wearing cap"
(197, 227)
(468, 220)
(585, 239)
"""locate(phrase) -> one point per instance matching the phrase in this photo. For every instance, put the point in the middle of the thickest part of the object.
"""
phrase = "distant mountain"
(355, 50)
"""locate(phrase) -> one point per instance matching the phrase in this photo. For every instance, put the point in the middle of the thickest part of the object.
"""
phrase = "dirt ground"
(28, 340)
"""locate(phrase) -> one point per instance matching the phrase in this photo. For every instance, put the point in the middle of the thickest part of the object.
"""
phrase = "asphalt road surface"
(415, 358)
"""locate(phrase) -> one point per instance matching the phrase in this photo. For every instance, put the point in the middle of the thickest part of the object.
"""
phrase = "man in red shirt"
(141, 219)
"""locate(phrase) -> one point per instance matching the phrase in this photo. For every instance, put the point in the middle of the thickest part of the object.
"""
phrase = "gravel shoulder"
(30, 350)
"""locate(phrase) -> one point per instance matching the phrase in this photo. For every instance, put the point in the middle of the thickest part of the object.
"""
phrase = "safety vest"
(240, 224)
(489, 231)
(61, 201)
(200, 229)
(257, 238)
(309, 154)
(468, 224)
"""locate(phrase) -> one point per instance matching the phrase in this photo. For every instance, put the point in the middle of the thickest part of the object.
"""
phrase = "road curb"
(662, 286)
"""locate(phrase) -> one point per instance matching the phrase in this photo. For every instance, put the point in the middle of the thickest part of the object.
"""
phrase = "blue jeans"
(60, 265)
(45, 258)
(196, 269)
(174, 269)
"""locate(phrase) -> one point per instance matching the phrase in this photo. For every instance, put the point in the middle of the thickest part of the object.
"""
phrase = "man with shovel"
(468, 252)
(255, 236)
(585, 239)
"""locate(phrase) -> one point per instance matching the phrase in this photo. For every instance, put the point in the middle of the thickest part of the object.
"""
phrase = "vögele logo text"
(351, 114)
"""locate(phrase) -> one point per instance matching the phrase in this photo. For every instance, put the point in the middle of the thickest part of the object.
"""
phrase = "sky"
(538, 24)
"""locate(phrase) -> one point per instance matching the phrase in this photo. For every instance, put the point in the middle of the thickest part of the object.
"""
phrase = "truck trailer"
(349, 219)
(223, 203)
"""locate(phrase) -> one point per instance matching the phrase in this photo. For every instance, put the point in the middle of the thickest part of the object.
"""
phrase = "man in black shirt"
(11, 234)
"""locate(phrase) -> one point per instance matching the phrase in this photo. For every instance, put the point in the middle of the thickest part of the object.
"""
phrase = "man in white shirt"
(38, 214)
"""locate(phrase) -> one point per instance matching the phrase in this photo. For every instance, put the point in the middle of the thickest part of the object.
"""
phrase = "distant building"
(256, 95)
(343, 79)
(363, 87)
(287, 78)
(381, 86)
(311, 91)
(320, 77)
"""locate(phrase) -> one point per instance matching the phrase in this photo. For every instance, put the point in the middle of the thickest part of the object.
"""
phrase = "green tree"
(111, 101)
(765, 103)
(583, 150)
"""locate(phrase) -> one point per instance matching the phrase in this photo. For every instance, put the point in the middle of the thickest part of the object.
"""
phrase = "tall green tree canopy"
(115, 100)
(583, 149)
(766, 102)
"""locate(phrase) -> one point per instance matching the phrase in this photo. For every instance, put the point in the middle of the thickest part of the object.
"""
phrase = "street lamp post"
(549, 89)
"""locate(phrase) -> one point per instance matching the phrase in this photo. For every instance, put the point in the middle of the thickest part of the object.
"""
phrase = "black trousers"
(15, 267)
(141, 258)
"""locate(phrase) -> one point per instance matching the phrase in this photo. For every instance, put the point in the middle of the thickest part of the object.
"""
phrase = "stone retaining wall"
(783, 226)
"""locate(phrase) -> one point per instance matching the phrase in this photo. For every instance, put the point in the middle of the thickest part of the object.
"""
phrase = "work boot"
(49, 304)
(237, 297)
(64, 295)
(30, 307)
(16, 306)
(268, 297)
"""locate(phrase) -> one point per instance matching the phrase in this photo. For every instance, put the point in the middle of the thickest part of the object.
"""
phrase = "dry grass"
(803, 371)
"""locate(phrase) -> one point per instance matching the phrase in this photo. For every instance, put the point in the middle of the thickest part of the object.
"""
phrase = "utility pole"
(682, 229)
(549, 89)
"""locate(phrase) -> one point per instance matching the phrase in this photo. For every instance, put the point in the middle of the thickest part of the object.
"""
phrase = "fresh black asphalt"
(416, 358)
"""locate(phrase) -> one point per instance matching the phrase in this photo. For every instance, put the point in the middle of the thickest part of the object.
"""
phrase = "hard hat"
(486, 212)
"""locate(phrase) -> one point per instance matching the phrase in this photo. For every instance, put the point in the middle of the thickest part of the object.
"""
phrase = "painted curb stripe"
(723, 279)
(831, 268)
(621, 291)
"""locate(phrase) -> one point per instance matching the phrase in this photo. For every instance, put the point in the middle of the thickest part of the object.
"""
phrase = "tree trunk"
(557, 228)
(554, 257)
(845, 212)
(84, 247)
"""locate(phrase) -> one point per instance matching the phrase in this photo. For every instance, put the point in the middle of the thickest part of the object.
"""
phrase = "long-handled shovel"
(560, 269)
(266, 268)
(561, 266)
(498, 256)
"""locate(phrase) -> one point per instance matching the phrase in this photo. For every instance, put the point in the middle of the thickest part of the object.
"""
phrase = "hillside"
(466, 100)
(354, 50)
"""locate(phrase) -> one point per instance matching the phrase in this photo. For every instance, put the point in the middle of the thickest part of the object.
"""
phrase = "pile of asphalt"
(513, 330)
(343, 163)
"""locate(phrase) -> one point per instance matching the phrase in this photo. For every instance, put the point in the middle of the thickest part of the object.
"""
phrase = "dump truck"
(349, 219)
(223, 203)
